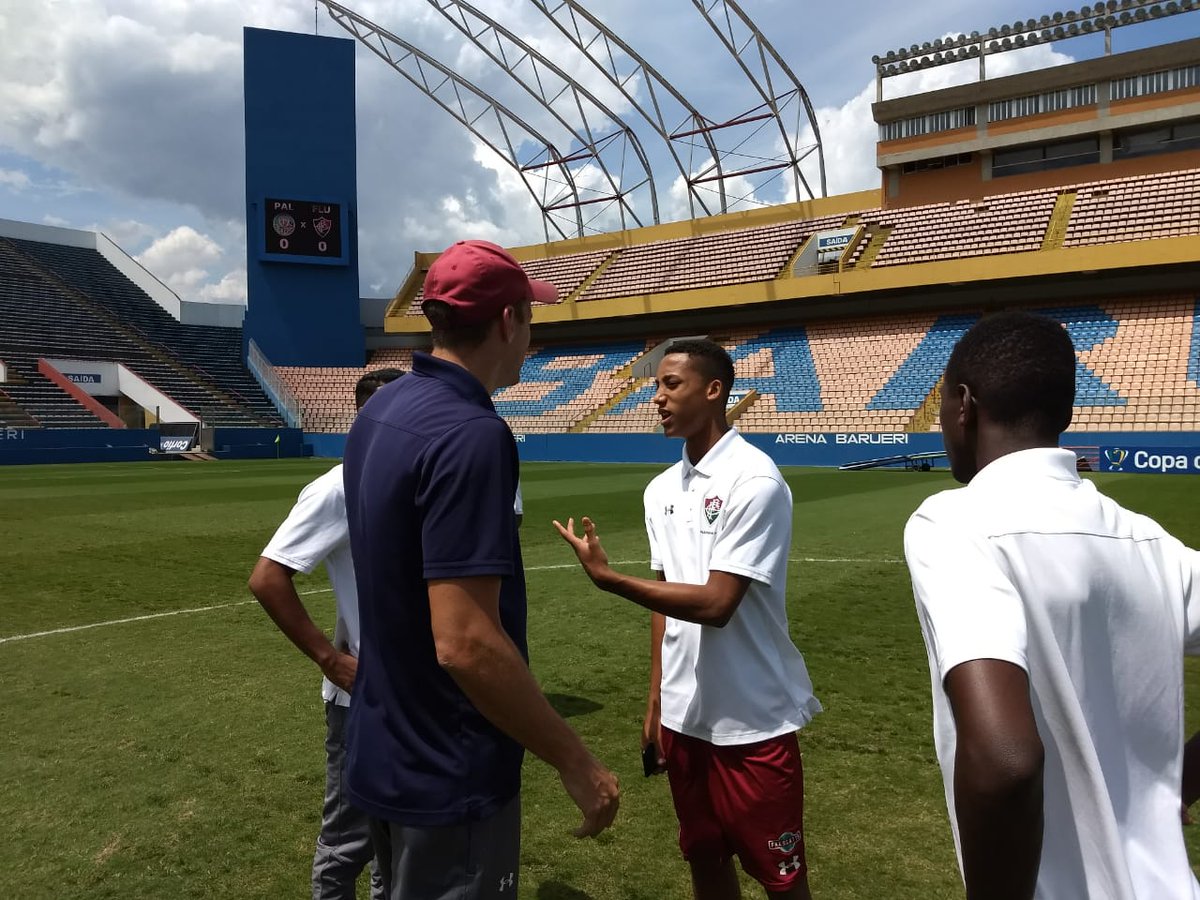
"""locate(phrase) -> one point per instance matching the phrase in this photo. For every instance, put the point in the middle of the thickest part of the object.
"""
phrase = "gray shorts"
(472, 861)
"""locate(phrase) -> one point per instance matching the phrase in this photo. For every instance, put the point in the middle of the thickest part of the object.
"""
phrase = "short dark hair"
(452, 335)
(373, 381)
(710, 359)
(1021, 369)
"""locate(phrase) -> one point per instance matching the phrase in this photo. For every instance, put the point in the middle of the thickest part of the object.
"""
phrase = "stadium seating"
(42, 316)
(326, 394)
(851, 362)
(214, 354)
(561, 387)
(1005, 223)
(635, 412)
(1143, 368)
(1194, 357)
(920, 372)
(711, 260)
(1138, 370)
(1135, 209)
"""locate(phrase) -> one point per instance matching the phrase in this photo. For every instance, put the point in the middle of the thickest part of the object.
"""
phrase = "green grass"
(181, 756)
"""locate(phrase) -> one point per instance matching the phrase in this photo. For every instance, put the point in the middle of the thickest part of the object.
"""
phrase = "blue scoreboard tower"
(301, 199)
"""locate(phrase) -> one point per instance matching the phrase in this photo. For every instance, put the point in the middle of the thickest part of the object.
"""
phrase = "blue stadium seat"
(1194, 357)
(569, 382)
(1088, 326)
(640, 397)
(795, 385)
(918, 374)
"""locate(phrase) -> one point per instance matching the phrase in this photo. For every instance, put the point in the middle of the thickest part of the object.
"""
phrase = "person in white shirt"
(316, 531)
(1055, 623)
(728, 688)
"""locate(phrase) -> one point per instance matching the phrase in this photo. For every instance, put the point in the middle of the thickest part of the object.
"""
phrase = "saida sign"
(1151, 460)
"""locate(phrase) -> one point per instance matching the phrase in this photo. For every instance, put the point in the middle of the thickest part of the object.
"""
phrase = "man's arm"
(712, 603)
(272, 585)
(652, 724)
(1191, 770)
(473, 648)
(997, 779)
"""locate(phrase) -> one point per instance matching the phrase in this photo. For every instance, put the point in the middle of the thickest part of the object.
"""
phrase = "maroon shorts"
(745, 801)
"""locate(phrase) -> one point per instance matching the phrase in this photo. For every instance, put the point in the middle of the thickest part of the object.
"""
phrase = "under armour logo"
(669, 510)
(508, 881)
(790, 865)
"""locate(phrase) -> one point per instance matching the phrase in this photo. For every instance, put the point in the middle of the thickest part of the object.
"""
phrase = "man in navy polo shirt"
(444, 700)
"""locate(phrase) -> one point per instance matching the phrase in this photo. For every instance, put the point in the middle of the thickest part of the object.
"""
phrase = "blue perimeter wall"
(93, 445)
(786, 449)
(829, 449)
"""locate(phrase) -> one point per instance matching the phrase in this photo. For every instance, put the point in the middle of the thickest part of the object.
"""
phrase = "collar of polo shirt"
(1044, 462)
(711, 460)
(464, 383)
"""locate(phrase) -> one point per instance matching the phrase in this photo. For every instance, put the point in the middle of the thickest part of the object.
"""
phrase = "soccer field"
(175, 749)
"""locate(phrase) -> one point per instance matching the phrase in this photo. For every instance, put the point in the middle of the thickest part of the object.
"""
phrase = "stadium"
(160, 738)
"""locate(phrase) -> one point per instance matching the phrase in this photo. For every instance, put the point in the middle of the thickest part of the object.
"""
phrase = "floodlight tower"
(775, 83)
(598, 130)
(1098, 18)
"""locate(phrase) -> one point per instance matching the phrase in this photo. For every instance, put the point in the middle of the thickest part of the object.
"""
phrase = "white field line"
(200, 609)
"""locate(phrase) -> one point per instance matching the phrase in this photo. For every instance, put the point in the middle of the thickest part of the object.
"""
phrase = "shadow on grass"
(556, 890)
(568, 705)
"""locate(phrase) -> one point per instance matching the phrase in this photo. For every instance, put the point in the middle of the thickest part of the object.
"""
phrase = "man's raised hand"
(586, 546)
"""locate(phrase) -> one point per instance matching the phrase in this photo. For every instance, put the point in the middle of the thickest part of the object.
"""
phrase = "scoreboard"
(303, 231)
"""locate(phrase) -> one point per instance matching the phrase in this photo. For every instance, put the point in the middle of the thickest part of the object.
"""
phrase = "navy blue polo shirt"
(431, 474)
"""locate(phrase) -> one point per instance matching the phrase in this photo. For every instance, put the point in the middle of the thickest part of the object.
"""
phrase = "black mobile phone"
(649, 760)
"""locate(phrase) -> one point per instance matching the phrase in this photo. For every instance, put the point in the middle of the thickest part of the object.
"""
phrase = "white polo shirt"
(730, 512)
(316, 531)
(1032, 565)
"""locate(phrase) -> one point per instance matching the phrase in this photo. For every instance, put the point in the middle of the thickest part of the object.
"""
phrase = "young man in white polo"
(1055, 623)
(316, 531)
(728, 688)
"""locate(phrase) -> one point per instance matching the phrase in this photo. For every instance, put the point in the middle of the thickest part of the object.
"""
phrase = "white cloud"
(14, 179)
(182, 259)
(230, 289)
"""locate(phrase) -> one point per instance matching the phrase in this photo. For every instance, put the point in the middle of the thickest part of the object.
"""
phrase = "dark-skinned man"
(1055, 623)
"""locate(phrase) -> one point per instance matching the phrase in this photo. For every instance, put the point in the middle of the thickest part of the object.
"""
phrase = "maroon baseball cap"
(477, 279)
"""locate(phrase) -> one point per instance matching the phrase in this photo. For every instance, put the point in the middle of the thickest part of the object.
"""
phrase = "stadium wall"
(818, 449)
(28, 446)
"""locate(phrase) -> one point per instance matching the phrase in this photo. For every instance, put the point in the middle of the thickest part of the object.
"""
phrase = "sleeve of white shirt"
(967, 606)
(756, 533)
(518, 503)
(314, 528)
(655, 557)
(1191, 600)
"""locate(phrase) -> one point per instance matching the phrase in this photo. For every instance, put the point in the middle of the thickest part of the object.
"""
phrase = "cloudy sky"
(125, 116)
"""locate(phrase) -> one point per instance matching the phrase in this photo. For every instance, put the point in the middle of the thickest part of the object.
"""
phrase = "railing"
(273, 386)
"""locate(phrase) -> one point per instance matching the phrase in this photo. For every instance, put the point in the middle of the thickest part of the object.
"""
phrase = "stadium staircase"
(594, 276)
(926, 416)
(878, 238)
(790, 266)
(1059, 220)
(12, 414)
(634, 386)
(42, 315)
